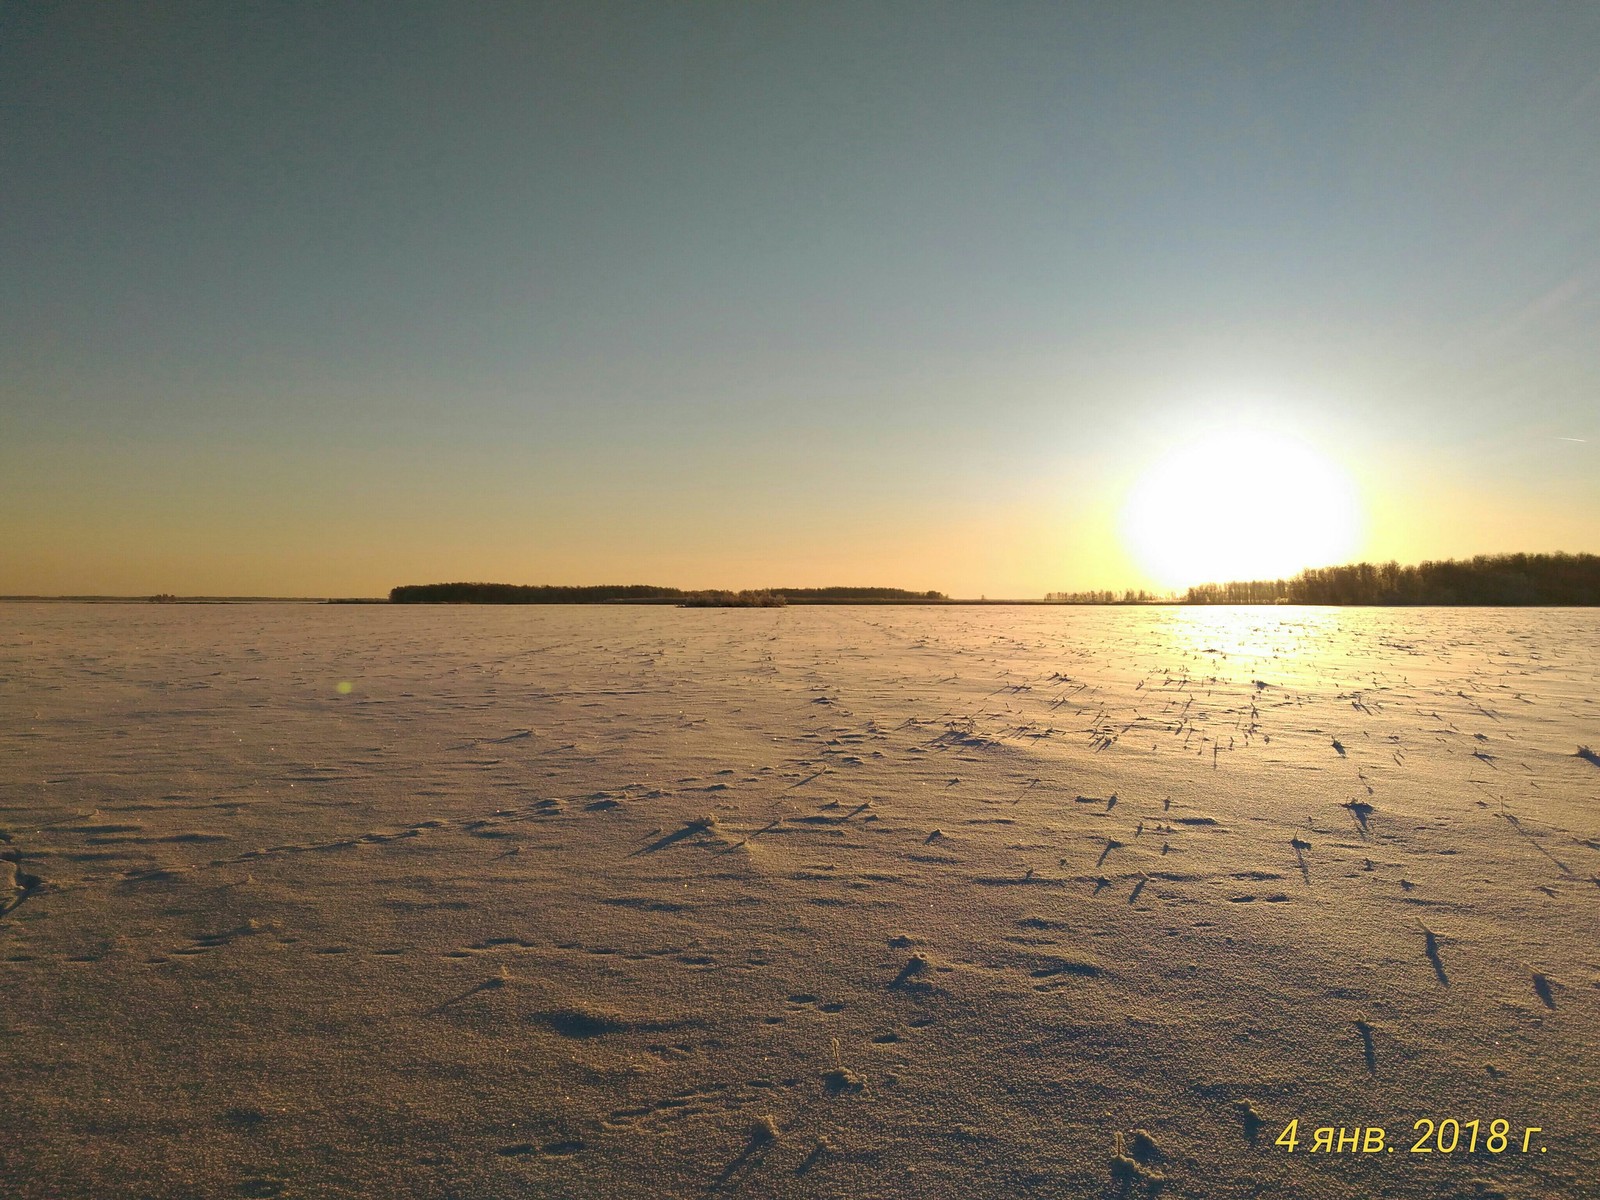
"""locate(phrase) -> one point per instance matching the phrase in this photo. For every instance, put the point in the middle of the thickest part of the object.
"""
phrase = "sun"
(1241, 505)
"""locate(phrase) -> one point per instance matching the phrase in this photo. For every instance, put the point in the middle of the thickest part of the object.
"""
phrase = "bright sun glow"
(1244, 505)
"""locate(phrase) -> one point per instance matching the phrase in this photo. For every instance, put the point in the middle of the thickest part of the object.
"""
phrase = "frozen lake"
(565, 901)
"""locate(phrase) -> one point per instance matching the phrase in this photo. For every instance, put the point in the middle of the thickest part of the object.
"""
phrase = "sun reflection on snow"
(1257, 631)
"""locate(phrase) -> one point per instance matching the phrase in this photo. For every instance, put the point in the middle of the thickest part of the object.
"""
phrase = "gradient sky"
(315, 299)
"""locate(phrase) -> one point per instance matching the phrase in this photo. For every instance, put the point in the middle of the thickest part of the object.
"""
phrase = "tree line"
(724, 599)
(1486, 579)
(1128, 596)
(643, 593)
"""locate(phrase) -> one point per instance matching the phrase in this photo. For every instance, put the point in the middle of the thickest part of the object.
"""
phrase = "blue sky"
(316, 299)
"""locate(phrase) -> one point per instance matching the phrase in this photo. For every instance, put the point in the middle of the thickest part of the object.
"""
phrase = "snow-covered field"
(639, 901)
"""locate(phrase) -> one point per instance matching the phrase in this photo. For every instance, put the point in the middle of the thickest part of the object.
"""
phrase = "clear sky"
(321, 298)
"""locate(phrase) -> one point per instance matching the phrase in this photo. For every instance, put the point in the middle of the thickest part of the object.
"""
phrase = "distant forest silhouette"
(720, 599)
(642, 593)
(1487, 579)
